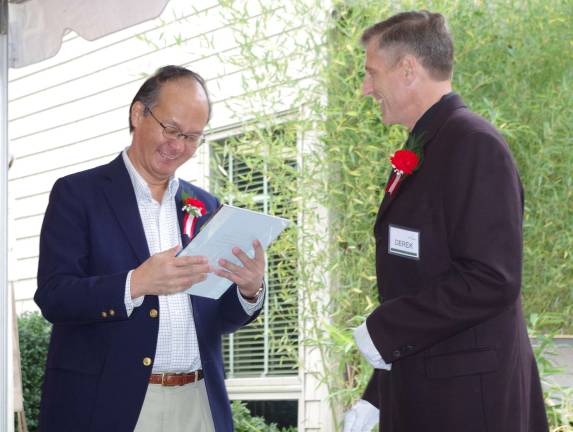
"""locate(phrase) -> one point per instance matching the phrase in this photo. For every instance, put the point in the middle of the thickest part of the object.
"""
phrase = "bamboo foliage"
(514, 66)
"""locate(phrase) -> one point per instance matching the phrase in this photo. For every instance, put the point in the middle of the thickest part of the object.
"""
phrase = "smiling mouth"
(168, 156)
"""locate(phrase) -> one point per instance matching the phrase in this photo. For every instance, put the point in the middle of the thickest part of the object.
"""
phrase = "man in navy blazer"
(448, 342)
(130, 350)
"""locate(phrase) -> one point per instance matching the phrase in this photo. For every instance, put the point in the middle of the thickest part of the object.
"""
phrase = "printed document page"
(230, 227)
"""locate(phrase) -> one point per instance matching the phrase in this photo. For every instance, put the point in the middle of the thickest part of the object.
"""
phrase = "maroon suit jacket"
(451, 322)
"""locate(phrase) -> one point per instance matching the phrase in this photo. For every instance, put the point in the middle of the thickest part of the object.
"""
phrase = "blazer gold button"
(153, 313)
(147, 361)
(111, 312)
(104, 314)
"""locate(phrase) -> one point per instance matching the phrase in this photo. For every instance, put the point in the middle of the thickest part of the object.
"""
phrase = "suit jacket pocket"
(78, 348)
(461, 363)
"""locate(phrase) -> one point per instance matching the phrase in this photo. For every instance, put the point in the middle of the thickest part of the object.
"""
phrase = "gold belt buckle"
(163, 378)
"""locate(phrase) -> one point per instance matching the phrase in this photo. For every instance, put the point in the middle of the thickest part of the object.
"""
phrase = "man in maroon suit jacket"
(448, 343)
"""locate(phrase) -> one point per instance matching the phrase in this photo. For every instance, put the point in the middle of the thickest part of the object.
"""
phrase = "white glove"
(367, 348)
(362, 417)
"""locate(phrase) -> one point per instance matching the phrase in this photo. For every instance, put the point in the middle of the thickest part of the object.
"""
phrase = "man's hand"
(164, 273)
(249, 277)
(362, 417)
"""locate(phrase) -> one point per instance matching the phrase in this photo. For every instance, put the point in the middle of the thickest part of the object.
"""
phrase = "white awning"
(37, 26)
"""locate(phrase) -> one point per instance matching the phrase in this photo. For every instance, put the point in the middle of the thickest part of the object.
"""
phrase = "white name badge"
(403, 242)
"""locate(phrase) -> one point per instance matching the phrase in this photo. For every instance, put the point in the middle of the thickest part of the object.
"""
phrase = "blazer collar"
(427, 131)
(121, 198)
(430, 123)
(190, 190)
(180, 214)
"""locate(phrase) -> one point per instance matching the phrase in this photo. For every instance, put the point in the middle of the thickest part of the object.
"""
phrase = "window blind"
(249, 171)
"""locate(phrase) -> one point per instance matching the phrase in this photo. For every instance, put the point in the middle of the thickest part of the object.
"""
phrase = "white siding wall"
(70, 113)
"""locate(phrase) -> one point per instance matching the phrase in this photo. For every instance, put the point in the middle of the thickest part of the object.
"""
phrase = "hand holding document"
(230, 227)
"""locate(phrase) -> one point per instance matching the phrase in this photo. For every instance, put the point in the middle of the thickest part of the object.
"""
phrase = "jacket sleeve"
(232, 312)
(482, 206)
(67, 292)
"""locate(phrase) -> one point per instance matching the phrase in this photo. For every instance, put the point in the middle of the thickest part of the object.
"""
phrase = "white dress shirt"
(177, 346)
(368, 349)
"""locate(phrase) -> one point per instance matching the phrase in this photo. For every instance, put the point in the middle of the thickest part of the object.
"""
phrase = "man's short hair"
(147, 93)
(420, 33)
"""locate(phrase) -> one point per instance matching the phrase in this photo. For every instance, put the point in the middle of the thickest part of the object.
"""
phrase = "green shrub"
(558, 399)
(34, 336)
(244, 422)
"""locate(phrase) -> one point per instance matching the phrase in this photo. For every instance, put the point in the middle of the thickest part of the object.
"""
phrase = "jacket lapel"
(440, 116)
(185, 240)
(180, 215)
(388, 199)
(385, 201)
(121, 199)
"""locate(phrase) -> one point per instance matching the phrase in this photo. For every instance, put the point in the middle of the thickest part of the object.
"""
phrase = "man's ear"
(409, 66)
(137, 113)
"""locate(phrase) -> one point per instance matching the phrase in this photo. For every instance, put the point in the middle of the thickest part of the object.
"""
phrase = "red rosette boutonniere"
(404, 162)
(193, 209)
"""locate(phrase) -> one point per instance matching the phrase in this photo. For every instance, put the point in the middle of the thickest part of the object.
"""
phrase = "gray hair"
(421, 33)
(147, 93)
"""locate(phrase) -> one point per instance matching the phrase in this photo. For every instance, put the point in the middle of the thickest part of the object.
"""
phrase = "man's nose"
(366, 87)
(177, 143)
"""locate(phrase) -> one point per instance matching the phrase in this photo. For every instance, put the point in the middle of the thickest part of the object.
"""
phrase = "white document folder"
(229, 227)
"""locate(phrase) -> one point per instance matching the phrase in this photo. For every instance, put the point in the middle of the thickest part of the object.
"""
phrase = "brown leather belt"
(176, 379)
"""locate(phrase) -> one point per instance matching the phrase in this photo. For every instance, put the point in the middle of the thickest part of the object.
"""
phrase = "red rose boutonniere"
(404, 162)
(193, 209)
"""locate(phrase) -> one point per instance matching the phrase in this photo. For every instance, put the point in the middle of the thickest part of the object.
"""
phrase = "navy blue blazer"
(91, 237)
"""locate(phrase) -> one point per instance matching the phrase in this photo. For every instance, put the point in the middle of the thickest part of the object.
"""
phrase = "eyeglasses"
(172, 132)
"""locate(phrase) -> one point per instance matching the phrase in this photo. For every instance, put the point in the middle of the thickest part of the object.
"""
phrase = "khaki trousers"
(176, 409)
